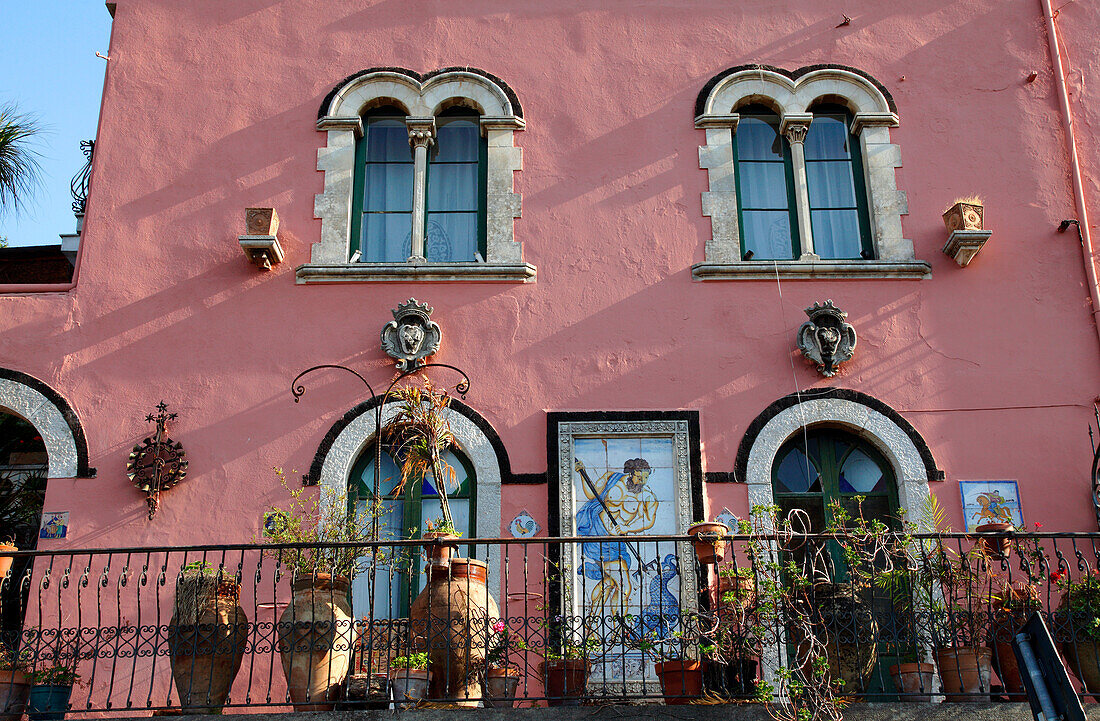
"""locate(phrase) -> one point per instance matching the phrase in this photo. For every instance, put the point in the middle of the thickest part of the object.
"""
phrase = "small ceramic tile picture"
(991, 502)
(524, 525)
(54, 525)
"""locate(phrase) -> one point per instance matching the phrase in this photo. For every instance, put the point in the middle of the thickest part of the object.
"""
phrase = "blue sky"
(49, 69)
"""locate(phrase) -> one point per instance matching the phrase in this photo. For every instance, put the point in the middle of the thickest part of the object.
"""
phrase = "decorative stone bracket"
(260, 244)
(826, 339)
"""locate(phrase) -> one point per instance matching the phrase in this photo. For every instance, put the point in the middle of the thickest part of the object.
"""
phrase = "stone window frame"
(853, 412)
(355, 433)
(422, 97)
(54, 420)
(792, 94)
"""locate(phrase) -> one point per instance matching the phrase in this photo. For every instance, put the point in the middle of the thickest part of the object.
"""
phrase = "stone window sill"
(397, 272)
(813, 270)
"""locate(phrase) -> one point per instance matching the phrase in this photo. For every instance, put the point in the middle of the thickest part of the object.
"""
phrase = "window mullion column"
(794, 128)
(421, 138)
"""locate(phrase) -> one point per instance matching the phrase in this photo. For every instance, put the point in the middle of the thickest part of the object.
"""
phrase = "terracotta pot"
(13, 695)
(565, 681)
(368, 691)
(997, 548)
(439, 554)
(965, 673)
(964, 216)
(48, 703)
(410, 685)
(450, 619)
(206, 641)
(1004, 659)
(681, 681)
(914, 680)
(709, 551)
(1083, 661)
(5, 561)
(316, 637)
(849, 633)
(500, 687)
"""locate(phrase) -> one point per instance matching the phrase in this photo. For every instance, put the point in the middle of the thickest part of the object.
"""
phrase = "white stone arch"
(793, 96)
(422, 97)
(358, 434)
(887, 437)
(32, 405)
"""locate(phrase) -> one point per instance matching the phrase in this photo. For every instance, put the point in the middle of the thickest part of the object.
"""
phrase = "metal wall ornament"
(827, 339)
(411, 336)
(157, 463)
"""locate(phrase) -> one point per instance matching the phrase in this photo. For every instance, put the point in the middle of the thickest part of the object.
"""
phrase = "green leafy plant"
(418, 661)
(420, 435)
(19, 168)
(441, 526)
(1081, 607)
(503, 643)
(57, 675)
(323, 519)
(14, 662)
(201, 566)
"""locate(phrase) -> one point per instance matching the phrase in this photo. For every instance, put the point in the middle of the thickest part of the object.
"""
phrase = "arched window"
(822, 465)
(764, 187)
(838, 205)
(404, 516)
(423, 167)
(837, 196)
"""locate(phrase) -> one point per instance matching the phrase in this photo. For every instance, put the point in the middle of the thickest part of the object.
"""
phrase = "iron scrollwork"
(79, 186)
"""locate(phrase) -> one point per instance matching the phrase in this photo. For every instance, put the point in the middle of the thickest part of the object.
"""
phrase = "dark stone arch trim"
(740, 470)
(506, 476)
(70, 416)
(701, 99)
(512, 97)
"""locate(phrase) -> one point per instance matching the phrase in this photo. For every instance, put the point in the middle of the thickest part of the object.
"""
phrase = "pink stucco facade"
(210, 107)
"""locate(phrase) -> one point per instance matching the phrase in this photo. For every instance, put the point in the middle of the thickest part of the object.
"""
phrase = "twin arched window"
(387, 180)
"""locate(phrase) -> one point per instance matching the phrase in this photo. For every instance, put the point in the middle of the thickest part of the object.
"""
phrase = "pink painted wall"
(209, 107)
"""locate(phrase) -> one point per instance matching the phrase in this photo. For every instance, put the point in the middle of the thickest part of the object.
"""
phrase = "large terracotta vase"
(316, 637)
(681, 681)
(450, 619)
(206, 640)
(565, 680)
(6, 561)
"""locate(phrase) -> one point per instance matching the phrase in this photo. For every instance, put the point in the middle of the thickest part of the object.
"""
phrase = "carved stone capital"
(421, 131)
(796, 134)
(794, 127)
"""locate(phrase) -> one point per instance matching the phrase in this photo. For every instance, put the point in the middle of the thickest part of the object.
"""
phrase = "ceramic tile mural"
(991, 502)
(627, 485)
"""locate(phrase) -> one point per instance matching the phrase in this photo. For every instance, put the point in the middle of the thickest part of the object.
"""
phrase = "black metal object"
(1049, 690)
(158, 462)
(79, 185)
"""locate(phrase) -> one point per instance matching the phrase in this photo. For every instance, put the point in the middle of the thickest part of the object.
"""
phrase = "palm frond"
(19, 167)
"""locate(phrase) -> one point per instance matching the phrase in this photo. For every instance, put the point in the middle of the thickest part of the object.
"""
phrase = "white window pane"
(767, 233)
(860, 473)
(836, 233)
(763, 186)
(388, 187)
(451, 237)
(388, 139)
(758, 140)
(452, 187)
(827, 139)
(386, 237)
(456, 139)
(831, 184)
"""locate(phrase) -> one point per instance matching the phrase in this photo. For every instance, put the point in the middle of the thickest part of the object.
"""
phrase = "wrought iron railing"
(550, 621)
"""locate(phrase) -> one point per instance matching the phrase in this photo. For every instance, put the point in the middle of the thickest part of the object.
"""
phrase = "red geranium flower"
(1056, 576)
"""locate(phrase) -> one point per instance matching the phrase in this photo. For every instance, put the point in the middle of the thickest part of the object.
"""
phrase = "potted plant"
(1077, 626)
(206, 637)
(7, 544)
(736, 586)
(913, 678)
(440, 535)
(316, 632)
(450, 616)
(409, 676)
(707, 540)
(564, 671)
(51, 688)
(14, 685)
(731, 669)
(999, 545)
(502, 675)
